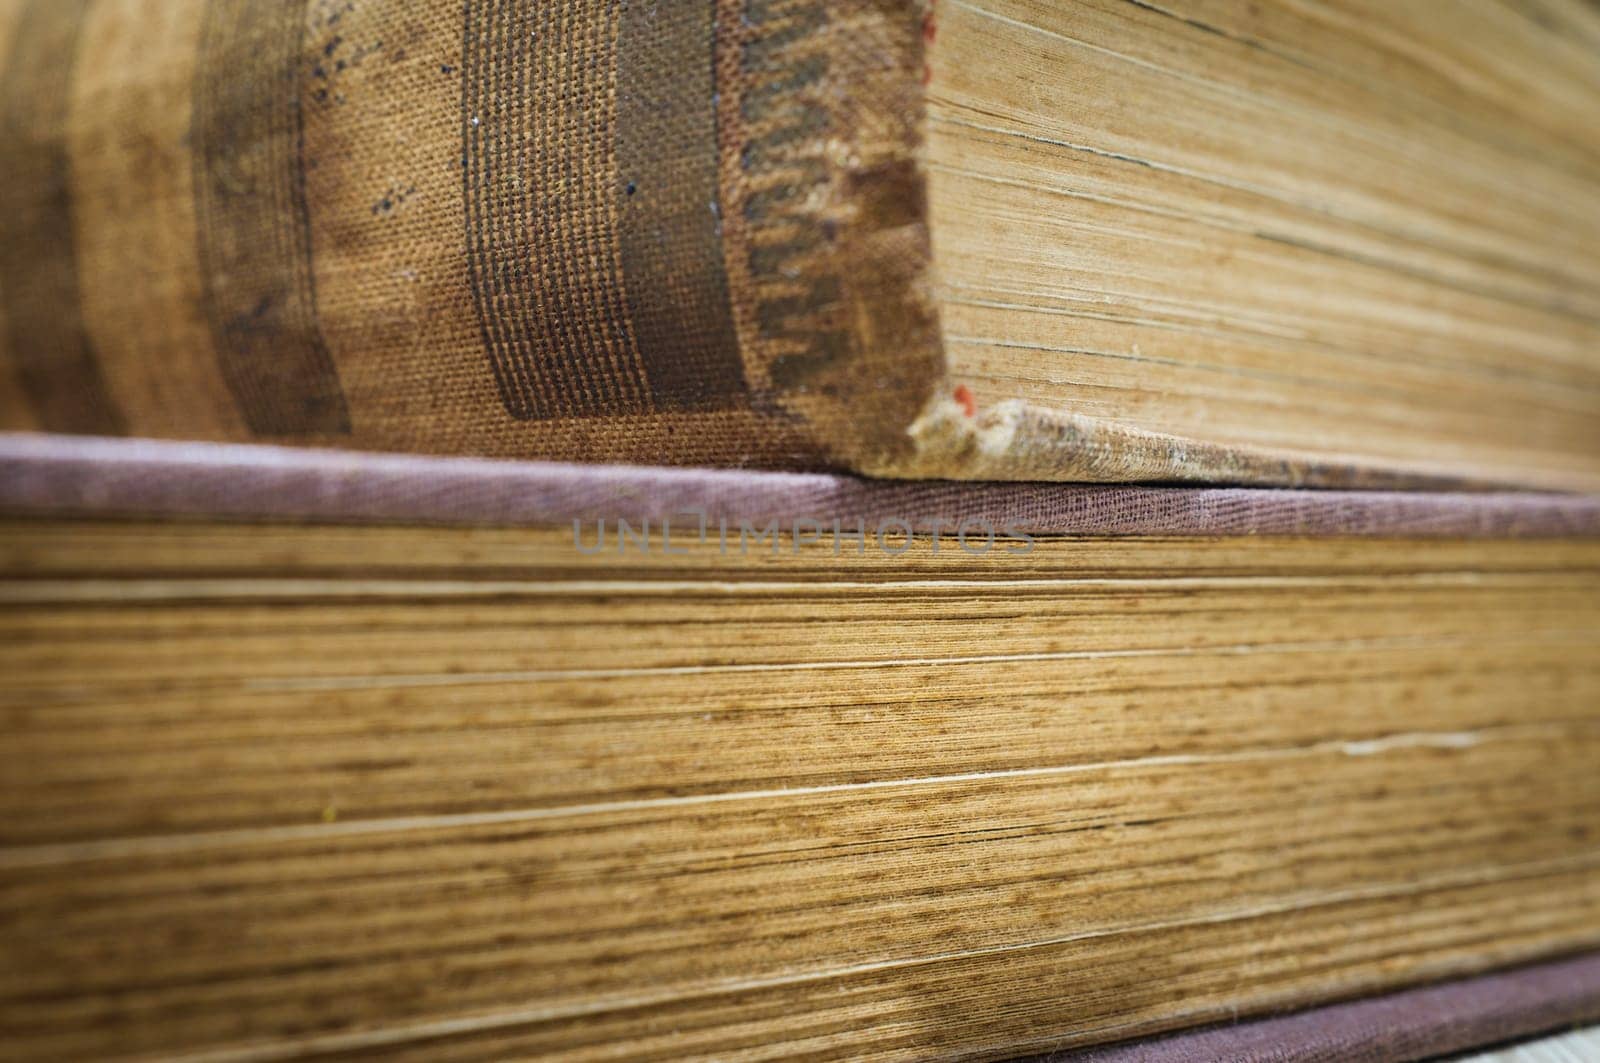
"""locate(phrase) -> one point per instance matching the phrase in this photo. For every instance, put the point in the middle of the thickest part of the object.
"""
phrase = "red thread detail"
(969, 402)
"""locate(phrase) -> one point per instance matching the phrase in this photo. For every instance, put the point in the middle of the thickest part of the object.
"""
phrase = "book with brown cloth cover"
(1343, 243)
(312, 750)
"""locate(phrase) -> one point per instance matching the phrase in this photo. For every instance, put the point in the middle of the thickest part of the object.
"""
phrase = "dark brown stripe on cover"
(87, 476)
(46, 335)
(668, 215)
(538, 114)
(785, 62)
(254, 226)
(1413, 1024)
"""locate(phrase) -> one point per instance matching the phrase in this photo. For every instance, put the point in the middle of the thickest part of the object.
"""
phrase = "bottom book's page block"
(273, 791)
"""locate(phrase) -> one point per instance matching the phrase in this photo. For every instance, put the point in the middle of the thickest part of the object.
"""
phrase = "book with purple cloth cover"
(418, 756)
(444, 613)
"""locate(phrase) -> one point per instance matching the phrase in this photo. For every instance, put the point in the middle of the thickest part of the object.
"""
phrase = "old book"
(464, 777)
(1333, 242)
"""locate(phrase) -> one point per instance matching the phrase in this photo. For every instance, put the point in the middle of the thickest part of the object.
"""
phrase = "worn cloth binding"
(94, 476)
(680, 232)
(1422, 1023)
(685, 232)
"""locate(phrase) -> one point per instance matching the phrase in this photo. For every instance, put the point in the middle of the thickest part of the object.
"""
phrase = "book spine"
(665, 230)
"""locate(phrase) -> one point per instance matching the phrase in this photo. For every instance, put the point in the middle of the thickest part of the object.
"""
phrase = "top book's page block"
(1328, 242)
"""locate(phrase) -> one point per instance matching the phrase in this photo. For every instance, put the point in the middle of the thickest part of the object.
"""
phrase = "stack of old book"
(756, 528)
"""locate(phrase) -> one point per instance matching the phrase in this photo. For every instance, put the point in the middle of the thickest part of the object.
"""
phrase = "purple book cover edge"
(90, 476)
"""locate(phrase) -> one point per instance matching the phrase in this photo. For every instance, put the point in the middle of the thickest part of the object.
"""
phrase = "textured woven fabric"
(663, 231)
(583, 230)
(69, 474)
(1415, 1024)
